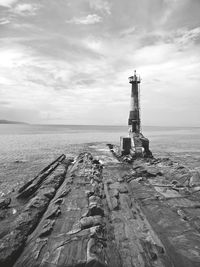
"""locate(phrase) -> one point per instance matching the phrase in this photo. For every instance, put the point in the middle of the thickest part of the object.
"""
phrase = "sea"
(25, 149)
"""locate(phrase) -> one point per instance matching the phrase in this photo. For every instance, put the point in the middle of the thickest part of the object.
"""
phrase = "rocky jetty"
(101, 209)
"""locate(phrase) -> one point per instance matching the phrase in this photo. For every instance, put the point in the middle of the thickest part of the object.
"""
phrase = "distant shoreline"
(160, 127)
(11, 122)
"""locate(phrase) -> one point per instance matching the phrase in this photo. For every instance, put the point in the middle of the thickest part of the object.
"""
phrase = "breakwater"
(102, 210)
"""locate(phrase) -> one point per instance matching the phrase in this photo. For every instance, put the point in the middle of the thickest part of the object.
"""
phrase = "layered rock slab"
(75, 230)
(110, 213)
(17, 226)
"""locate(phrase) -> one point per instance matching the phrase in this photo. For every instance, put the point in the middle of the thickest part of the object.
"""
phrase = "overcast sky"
(68, 61)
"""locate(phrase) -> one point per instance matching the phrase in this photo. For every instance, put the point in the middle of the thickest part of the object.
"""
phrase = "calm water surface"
(25, 149)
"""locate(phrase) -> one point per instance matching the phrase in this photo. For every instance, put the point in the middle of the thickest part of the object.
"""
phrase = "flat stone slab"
(111, 213)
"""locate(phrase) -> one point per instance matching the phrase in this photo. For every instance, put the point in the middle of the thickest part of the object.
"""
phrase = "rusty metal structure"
(134, 115)
(135, 144)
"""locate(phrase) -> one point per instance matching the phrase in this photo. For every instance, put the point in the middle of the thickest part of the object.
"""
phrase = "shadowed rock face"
(108, 213)
(19, 226)
(145, 145)
(4, 202)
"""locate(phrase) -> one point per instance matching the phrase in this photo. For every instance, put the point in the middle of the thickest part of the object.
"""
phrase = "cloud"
(7, 3)
(48, 64)
(92, 43)
(4, 21)
(185, 38)
(101, 5)
(128, 31)
(26, 9)
(4, 103)
(170, 7)
(5, 80)
(12, 57)
(89, 19)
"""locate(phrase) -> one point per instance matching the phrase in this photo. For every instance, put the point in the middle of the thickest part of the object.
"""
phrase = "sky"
(68, 61)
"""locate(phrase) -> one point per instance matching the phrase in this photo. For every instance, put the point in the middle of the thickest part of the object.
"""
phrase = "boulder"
(195, 179)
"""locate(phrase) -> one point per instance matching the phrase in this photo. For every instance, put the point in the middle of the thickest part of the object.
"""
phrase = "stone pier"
(101, 210)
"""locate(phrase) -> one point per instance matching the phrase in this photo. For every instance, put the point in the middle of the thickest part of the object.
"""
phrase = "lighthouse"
(135, 144)
(134, 115)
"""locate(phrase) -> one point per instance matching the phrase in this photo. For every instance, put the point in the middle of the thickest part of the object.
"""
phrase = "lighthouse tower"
(136, 144)
(134, 115)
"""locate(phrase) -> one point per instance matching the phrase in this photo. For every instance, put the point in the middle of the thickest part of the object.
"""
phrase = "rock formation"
(103, 209)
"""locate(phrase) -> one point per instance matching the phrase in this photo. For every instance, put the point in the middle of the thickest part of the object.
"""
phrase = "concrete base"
(136, 144)
(125, 145)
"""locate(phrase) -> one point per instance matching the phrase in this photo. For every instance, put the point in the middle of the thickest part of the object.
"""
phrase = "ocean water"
(26, 149)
